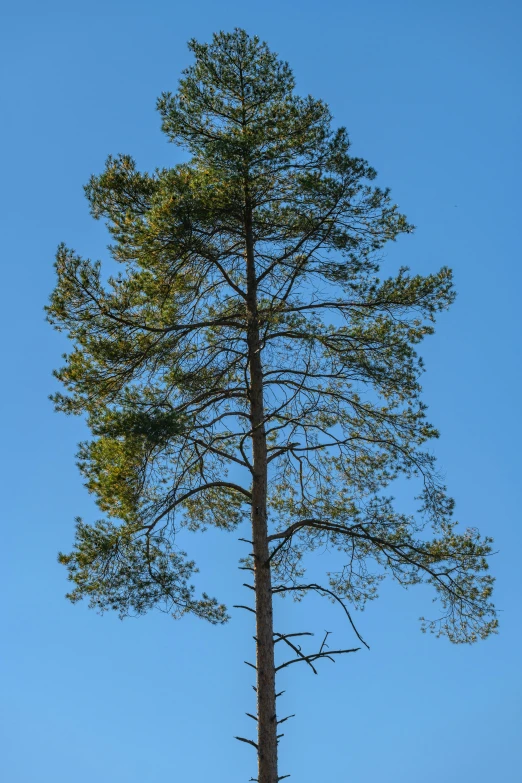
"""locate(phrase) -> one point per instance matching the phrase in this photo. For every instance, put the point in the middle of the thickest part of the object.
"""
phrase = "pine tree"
(247, 330)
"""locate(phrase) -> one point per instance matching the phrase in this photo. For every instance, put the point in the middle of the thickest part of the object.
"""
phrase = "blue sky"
(430, 93)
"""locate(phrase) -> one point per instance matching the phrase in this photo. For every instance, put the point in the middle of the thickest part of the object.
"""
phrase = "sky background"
(430, 93)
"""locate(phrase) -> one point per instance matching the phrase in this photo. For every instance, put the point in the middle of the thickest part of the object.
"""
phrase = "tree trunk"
(266, 698)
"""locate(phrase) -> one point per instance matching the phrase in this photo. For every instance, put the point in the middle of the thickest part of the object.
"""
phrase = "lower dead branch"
(240, 606)
(316, 657)
(297, 650)
(249, 742)
(325, 591)
(283, 636)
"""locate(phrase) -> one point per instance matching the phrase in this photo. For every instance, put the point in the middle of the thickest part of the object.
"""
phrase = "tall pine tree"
(248, 331)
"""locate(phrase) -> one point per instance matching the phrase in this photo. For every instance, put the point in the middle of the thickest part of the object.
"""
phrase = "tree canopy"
(245, 352)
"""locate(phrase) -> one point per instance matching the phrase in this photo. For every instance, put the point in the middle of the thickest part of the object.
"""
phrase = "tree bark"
(266, 698)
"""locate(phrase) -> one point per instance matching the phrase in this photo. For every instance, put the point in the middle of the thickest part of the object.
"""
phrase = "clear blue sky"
(430, 93)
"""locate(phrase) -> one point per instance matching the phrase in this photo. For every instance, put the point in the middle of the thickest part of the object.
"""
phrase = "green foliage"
(159, 360)
(117, 569)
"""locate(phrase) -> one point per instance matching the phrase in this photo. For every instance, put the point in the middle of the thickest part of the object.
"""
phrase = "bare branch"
(285, 719)
(317, 656)
(298, 651)
(320, 589)
(249, 742)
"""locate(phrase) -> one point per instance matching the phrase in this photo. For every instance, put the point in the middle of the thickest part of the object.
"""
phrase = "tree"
(247, 331)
